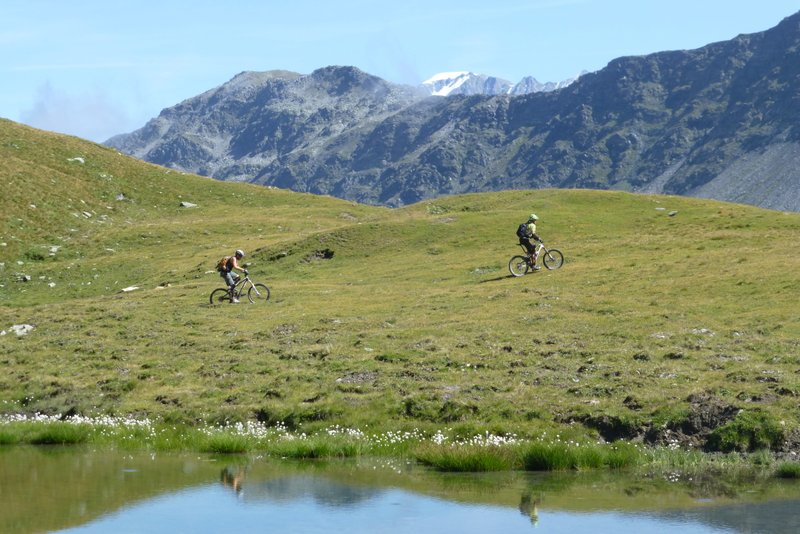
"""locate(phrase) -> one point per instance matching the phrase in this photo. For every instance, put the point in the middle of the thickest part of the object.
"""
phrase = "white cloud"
(90, 116)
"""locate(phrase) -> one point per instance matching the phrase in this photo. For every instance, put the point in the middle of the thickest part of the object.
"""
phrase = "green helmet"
(533, 217)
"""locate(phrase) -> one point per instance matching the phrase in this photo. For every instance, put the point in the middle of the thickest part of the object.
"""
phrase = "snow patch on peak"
(444, 76)
(446, 83)
(468, 83)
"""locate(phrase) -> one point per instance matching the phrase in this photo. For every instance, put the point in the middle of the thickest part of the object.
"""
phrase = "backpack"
(222, 264)
(522, 231)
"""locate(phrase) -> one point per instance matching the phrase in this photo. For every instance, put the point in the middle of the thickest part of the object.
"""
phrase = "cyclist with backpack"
(525, 232)
(226, 266)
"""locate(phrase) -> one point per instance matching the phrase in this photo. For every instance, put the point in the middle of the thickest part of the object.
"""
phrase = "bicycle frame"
(536, 253)
(241, 285)
(537, 250)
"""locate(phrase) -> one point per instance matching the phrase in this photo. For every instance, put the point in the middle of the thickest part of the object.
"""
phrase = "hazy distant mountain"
(532, 85)
(468, 83)
(721, 121)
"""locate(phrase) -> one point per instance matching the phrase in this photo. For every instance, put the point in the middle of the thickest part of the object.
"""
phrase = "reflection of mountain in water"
(776, 517)
(322, 491)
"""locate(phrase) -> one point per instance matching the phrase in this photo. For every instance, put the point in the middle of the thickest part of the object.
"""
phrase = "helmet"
(239, 252)
(533, 217)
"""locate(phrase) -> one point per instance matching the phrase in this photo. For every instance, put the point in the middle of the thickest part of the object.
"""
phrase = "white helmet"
(239, 253)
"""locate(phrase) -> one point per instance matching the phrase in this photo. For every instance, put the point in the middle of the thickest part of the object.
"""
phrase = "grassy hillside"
(655, 319)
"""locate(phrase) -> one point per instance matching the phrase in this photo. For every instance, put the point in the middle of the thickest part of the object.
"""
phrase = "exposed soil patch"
(706, 413)
(791, 445)
(318, 255)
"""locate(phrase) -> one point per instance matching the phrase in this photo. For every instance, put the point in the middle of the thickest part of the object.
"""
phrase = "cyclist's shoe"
(234, 300)
(536, 268)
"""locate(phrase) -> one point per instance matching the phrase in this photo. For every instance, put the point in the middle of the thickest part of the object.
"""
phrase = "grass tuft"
(226, 443)
(471, 459)
(59, 433)
(561, 456)
(315, 448)
(788, 470)
(8, 437)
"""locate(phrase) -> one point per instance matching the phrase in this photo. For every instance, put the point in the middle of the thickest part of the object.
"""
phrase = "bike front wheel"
(518, 266)
(220, 295)
(553, 259)
(258, 292)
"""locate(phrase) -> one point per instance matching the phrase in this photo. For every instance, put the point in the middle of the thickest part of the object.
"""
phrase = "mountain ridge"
(718, 121)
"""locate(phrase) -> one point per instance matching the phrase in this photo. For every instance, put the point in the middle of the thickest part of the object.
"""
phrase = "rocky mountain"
(233, 131)
(719, 122)
(529, 84)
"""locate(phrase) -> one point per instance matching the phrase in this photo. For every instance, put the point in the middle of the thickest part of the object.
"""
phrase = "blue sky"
(98, 68)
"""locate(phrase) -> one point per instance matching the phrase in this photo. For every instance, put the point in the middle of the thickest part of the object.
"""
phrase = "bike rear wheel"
(518, 266)
(258, 292)
(220, 295)
(553, 259)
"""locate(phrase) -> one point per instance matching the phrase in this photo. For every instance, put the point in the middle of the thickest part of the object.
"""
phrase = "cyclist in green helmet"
(530, 233)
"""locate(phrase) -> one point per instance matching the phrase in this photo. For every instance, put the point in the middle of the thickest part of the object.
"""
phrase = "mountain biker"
(230, 277)
(525, 240)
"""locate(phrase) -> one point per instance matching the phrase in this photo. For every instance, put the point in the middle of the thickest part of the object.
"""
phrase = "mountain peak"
(469, 83)
(446, 76)
(465, 83)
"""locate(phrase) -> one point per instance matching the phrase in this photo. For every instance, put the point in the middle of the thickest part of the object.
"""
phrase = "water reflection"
(47, 490)
(776, 516)
(233, 477)
(529, 506)
(319, 490)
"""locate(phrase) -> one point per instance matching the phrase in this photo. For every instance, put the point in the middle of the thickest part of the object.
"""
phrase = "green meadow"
(673, 319)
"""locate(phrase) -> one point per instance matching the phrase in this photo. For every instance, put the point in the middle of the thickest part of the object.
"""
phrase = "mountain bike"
(245, 286)
(520, 265)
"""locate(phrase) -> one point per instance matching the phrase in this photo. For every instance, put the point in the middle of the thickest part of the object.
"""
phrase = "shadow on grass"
(506, 277)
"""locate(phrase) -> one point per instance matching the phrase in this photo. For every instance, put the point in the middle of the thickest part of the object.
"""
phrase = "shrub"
(34, 255)
(748, 432)
(420, 409)
(452, 411)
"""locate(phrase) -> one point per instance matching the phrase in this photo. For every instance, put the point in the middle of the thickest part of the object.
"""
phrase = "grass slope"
(414, 320)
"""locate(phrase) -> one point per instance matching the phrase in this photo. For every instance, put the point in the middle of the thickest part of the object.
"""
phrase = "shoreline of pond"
(449, 449)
